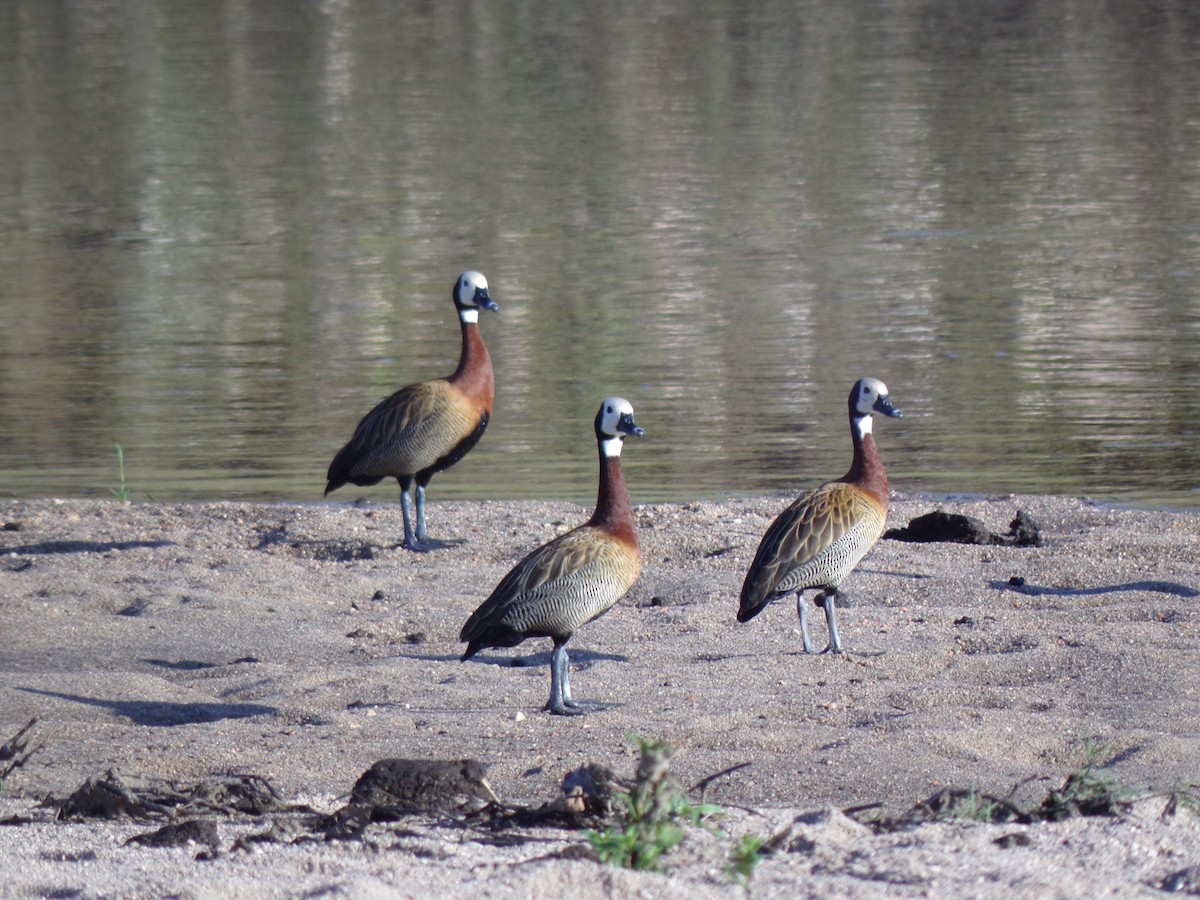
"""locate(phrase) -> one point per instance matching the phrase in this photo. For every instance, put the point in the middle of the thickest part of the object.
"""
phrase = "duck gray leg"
(561, 702)
(565, 675)
(415, 538)
(423, 542)
(802, 609)
(420, 513)
(410, 542)
(835, 643)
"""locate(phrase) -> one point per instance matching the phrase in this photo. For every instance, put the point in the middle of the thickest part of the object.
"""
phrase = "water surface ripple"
(228, 229)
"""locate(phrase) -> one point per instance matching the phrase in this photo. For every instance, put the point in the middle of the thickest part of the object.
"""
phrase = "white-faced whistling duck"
(429, 426)
(819, 539)
(575, 578)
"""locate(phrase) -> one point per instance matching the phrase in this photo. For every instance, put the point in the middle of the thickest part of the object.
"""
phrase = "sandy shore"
(297, 644)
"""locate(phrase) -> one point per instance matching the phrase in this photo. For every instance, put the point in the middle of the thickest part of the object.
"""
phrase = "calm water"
(227, 229)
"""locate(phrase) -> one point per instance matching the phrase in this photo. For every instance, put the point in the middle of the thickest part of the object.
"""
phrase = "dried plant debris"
(458, 792)
(109, 797)
(960, 803)
(118, 795)
(633, 822)
(593, 790)
(939, 526)
(1185, 881)
(246, 794)
(181, 834)
(13, 754)
(591, 796)
(424, 785)
(279, 831)
(393, 788)
(1087, 791)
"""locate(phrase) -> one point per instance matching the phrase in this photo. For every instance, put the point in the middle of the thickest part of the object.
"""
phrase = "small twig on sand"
(703, 783)
(14, 749)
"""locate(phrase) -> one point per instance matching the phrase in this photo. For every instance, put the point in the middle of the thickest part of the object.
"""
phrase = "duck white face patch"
(870, 390)
(611, 411)
(468, 284)
(469, 316)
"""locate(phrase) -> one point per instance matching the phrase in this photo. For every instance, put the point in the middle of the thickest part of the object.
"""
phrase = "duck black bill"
(884, 405)
(626, 425)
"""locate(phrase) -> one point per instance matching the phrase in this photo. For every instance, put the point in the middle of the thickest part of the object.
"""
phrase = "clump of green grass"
(969, 804)
(1185, 797)
(978, 806)
(745, 857)
(651, 817)
(121, 492)
(1087, 791)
